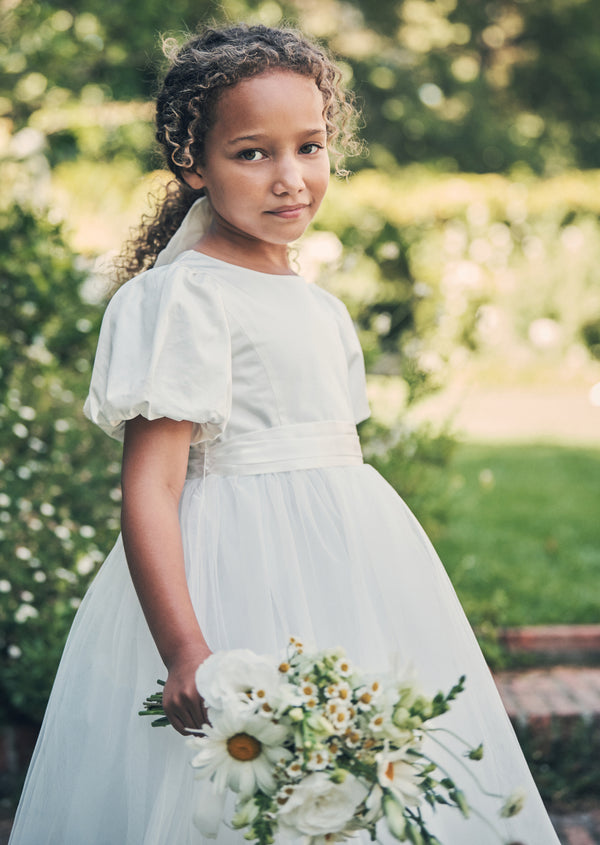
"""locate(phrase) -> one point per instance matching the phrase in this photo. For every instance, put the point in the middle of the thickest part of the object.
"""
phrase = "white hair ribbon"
(193, 226)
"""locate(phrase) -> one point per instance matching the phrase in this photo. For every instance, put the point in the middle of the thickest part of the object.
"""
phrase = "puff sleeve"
(164, 351)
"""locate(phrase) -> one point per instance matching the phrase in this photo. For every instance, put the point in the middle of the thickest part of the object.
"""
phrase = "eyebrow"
(260, 135)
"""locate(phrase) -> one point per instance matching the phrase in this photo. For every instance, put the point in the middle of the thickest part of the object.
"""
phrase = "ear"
(193, 179)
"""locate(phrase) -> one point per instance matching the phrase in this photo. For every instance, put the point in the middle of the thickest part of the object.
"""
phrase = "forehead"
(272, 100)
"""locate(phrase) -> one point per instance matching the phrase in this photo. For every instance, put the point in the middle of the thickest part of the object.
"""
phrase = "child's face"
(266, 164)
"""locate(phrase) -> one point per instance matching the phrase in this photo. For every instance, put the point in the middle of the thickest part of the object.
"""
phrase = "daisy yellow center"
(243, 747)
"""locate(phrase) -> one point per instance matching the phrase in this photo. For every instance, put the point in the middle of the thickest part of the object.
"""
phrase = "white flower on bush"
(318, 806)
(240, 751)
(238, 678)
(25, 612)
(398, 773)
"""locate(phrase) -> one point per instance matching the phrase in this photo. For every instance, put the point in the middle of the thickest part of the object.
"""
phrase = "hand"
(183, 704)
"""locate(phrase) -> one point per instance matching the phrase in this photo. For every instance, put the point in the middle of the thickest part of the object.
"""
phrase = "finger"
(196, 710)
(179, 725)
(195, 717)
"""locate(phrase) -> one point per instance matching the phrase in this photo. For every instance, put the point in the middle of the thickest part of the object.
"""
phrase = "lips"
(288, 210)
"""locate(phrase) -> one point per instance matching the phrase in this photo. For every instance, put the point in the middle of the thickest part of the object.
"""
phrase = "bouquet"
(313, 748)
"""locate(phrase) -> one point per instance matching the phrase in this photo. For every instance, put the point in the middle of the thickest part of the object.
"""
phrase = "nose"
(288, 176)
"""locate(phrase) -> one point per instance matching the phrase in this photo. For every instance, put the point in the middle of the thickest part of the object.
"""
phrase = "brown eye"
(308, 149)
(250, 155)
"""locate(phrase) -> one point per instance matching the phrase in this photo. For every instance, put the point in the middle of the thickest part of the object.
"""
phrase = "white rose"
(317, 806)
(238, 677)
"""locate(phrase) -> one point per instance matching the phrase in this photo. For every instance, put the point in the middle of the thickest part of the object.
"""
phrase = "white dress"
(286, 531)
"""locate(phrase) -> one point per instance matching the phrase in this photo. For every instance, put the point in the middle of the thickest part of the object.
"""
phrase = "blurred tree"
(470, 86)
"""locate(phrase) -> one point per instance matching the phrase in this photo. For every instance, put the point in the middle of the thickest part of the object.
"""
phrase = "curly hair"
(185, 106)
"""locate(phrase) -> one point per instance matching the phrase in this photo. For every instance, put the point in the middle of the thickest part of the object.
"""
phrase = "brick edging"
(560, 643)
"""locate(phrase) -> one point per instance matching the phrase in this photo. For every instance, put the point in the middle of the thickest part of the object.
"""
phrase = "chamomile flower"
(344, 667)
(307, 689)
(317, 760)
(295, 769)
(352, 738)
(339, 690)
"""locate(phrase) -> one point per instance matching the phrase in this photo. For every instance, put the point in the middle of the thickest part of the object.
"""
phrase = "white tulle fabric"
(286, 531)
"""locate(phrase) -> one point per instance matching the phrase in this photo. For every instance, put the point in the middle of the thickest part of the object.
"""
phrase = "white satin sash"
(288, 447)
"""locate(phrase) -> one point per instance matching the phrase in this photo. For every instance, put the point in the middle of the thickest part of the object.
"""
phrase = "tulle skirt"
(331, 555)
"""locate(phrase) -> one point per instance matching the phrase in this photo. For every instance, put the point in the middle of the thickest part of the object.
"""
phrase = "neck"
(238, 248)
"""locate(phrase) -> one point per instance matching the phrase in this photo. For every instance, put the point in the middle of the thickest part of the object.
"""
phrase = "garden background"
(466, 245)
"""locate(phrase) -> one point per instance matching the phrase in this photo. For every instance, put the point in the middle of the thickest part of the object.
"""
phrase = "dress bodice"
(236, 351)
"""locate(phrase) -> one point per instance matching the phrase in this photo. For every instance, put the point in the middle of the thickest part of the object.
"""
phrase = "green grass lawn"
(522, 541)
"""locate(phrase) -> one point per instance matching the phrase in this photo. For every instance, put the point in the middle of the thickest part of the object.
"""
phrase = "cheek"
(322, 177)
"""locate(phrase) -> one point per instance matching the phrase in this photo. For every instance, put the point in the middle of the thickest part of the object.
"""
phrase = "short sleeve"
(354, 356)
(164, 351)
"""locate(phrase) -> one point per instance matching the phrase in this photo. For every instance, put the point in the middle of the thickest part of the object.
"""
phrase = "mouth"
(288, 211)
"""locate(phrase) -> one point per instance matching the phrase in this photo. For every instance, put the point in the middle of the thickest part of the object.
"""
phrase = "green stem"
(463, 765)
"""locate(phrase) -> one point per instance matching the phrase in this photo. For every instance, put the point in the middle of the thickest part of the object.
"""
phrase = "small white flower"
(5, 586)
(381, 725)
(65, 575)
(352, 738)
(367, 696)
(318, 806)
(307, 689)
(85, 565)
(25, 612)
(340, 690)
(295, 769)
(339, 713)
(318, 760)
(344, 667)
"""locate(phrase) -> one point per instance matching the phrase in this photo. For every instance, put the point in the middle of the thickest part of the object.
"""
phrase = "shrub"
(59, 494)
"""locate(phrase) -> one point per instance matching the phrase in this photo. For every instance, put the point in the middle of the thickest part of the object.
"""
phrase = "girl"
(248, 514)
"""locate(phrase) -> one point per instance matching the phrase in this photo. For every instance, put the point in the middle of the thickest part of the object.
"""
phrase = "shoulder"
(334, 305)
(179, 284)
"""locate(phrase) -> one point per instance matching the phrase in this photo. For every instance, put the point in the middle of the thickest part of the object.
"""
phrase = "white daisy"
(240, 751)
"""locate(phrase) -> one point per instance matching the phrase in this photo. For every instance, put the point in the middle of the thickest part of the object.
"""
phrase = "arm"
(154, 466)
